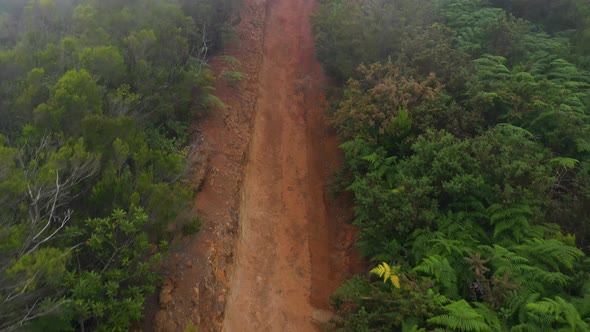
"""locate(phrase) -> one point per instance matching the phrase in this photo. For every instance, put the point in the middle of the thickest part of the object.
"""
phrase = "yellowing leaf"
(386, 272)
(398, 189)
(395, 281)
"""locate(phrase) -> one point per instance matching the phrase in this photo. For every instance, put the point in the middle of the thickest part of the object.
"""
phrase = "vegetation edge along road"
(466, 135)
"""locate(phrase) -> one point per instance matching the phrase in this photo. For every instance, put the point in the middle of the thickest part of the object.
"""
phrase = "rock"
(166, 293)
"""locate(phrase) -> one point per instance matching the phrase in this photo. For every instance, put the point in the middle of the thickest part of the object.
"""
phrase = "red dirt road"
(275, 243)
(287, 260)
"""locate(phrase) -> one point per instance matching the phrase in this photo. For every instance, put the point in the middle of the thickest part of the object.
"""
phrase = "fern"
(489, 315)
(564, 162)
(458, 235)
(420, 243)
(499, 212)
(553, 253)
(510, 222)
(529, 327)
(550, 311)
(211, 102)
(388, 273)
(383, 168)
(515, 304)
(464, 226)
(355, 148)
(372, 158)
(461, 317)
(490, 67)
(442, 273)
(233, 77)
(514, 130)
(455, 249)
(530, 276)
(230, 60)
(387, 251)
(412, 325)
(504, 260)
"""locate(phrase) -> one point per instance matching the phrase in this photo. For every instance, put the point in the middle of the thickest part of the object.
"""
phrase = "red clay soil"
(287, 259)
(276, 244)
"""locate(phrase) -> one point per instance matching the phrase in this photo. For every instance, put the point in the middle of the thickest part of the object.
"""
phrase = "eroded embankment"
(193, 294)
(288, 257)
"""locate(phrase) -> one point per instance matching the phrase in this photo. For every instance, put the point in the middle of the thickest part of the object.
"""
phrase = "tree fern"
(510, 129)
(562, 71)
(527, 274)
(468, 40)
(419, 243)
(540, 46)
(549, 312)
(461, 317)
(454, 249)
(530, 327)
(564, 162)
(515, 304)
(442, 273)
(553, 253)
(489, 315)
(356, 147)
(456, 238)
(510, 222)
(465, 226)
(490, 67)
(583, 306)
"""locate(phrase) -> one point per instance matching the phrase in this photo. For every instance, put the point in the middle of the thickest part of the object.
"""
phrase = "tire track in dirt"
(288, 260)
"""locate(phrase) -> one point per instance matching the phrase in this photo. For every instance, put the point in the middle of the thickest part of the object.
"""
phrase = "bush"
(192, 227)
(233, 77)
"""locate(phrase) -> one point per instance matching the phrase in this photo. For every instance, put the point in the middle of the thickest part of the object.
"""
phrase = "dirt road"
(287, 262)
(275, 243)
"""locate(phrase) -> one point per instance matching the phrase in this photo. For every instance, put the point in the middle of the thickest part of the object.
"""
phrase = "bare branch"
(64, 221)
(51, 213)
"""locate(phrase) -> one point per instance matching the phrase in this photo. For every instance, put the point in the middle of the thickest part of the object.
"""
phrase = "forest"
(464, 127)
(466, 133)
(96, 102)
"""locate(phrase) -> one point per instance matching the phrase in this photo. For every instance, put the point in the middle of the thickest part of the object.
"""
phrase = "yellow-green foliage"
(388, 273)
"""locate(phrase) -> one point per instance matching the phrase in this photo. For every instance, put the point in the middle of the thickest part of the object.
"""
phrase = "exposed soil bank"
(197, 274)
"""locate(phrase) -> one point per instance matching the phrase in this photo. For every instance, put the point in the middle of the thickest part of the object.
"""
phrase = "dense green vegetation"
(95, 102)
(466, 134)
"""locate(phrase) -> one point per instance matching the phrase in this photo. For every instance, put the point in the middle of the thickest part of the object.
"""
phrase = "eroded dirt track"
(287, 259)
(275, 243)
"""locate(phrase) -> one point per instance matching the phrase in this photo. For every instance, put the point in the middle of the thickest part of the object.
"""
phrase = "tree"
(349, 33)
(96, 100)
(371, 106)
(105, 63)
(73, 97)
(39, 193)
(108, 294)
